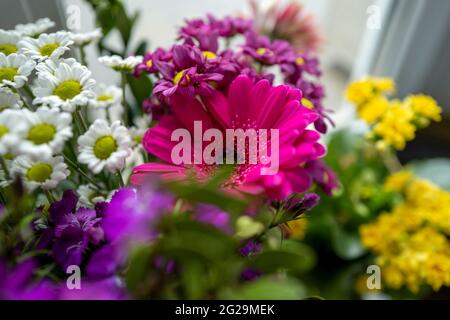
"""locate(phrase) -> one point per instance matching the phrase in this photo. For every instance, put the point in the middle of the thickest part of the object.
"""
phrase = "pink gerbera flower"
(246, 106)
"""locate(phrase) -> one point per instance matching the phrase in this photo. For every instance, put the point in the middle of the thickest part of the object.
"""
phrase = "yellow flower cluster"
(297, 228)
(394, 122)
(412, 241)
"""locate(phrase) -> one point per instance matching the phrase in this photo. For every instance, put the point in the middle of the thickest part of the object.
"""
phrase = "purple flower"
(249, 248)
(131, 215)
(148, 64)
(205, 33)
(188, 73)
(268, 52)
(323, 176)
(154, 107)
(212, 215)
(17, 283)
(250, 274)
(299, 206)
(107, 289)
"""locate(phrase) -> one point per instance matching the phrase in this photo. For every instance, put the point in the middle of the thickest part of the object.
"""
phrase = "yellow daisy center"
(42, 133)
(3, 130)
(307, 103)
(7, 74)
(104, 97)
(104, 147)
(7, 49)
(179, 75)
(300, 61)
(39, 172)
(68, 89)
(138, 139)
(261, 51)
(48, 49)
(209, 55)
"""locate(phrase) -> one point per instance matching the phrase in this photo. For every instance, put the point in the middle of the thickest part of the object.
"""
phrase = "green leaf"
(141, 88)
(345, 244)
(292, 256)
(268, 288)
(139, 264)
(190, 240)
(435, 170)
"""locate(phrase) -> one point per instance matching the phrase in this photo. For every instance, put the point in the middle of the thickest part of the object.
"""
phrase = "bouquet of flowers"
(106, 195)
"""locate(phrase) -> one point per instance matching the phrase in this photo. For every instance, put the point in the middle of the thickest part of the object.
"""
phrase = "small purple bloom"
(323, 176)
(17, 283)
(212, 215)
(250, 247)
(250, 274)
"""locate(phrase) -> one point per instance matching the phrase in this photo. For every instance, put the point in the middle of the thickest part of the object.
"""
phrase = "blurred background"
(408, 40)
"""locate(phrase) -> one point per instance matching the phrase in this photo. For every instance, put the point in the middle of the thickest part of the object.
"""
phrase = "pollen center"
(209, 55)
(39, 172)
(307, 103)
(7, 74)
(104, 97)
(3, 130)
(104, 147)
(149, 63)
(48, 49)
(7, 49)
(42, 133)
(179, 76)
(68, 89)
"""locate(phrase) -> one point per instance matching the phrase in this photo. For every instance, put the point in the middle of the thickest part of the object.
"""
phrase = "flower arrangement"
(90, 184)
(203, 172)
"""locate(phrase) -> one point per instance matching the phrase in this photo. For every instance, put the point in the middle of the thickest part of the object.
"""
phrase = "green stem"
(80, 171)
(79, 115)
(83, 56)
(27, 89)
(121, 183)
(124, 99)
(4, 167)
(49, 196)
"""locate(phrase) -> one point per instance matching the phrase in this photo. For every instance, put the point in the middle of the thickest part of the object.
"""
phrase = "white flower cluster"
(54, 116)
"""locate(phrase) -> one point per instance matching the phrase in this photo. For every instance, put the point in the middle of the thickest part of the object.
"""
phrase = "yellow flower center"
(307, 103)
(149, 63)
(104, 147)
(261, 51)
(41, 133)
(3, 130)
(300, 61)
(104, 97)
(48, 49)
(209, 55)
(138, 139)
(179, 75)
(7, 49)
(39, 172)
(68, 89)
(7, 74)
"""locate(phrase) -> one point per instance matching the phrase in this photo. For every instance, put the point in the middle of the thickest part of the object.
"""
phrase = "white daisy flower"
(9, 99)
(50, 66)
(11, 127)
(47, 131)
(83, 39)
(68, 87)
(40, 171)
(104, 146)
(119, 64)
(15, 69)
(107, 105)
(89, 196)
(138, 130)
(52, 45)
(8, 42)
(36, 28)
